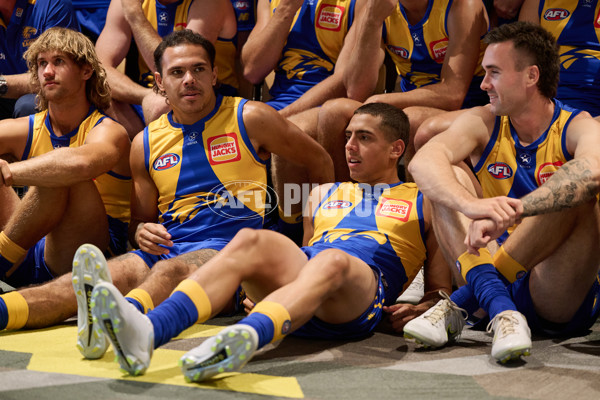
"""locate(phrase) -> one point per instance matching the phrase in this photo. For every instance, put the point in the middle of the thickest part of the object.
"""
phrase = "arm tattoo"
(570, 186)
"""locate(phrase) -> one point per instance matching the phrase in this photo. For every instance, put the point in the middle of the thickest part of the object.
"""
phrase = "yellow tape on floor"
(53, 350)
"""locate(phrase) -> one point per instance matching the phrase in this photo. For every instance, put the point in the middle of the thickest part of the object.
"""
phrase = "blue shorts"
(181, 248)
(34, 270)
(583, 319)
(358, 328)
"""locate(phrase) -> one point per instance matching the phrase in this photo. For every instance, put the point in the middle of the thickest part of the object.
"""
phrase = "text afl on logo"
(166, 161)
(241, 5)
(330, 17)
(500, 170)
(399, 51)
(337, 204)
(556, 14)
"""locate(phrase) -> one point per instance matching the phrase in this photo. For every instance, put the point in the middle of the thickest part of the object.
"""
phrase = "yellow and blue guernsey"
(173, 17)
(312, 49)
(507, 168)
(418, 51)
(114, 189)
(576, 27)
(210, 181)
(382, 225)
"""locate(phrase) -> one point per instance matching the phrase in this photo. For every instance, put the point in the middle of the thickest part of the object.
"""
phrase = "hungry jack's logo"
(330, 17)
(546, 170)
(394, 208)
(223, 149)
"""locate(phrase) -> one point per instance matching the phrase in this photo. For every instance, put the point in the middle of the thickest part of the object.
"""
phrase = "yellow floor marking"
(53, 350)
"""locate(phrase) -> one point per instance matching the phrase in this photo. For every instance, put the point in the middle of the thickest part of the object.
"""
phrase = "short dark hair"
(394, 122)
(177, 38)
(537, 46)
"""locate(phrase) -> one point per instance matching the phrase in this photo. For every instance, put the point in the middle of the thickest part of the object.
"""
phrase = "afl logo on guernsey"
(546, 170)
(556, 14)
(223, 149)
(399, 51)
(330, 17)
(394, 208)
(166, 161)
(500, 170)
(336, 204)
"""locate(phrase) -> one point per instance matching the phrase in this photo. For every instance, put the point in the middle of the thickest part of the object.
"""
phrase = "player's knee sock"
(187, 305)
(510, 268)
(14, 311)
(465, 298)
(485, 281)
(10, 253)
(270, 320)
(141, 300)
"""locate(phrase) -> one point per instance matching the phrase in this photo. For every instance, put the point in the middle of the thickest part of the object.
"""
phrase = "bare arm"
(112, 47)
(146, 37)
(13, 136)
(466, 24)
(271, 133)
(144, 230)
(360, 76)
(315, 198)
(437, 277)
(106, 144)
(529, 12)
(265, 44)
(432, 169)
(18, 85)
(578, 180)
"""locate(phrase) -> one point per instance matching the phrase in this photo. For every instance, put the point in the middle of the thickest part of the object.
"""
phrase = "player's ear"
(533, 74)
(398, 148)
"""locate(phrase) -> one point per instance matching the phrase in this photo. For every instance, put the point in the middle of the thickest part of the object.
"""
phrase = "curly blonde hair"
(81, 50)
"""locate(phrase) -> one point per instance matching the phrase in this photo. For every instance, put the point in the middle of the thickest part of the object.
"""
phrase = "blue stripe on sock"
(490, 289)
(172, 317)
(465, 298)
(136, 303)
(3, 314)
(263, 325)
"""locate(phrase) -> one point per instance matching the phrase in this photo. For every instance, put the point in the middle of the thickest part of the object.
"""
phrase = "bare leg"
(434, 125)
(125, 115)
(285, 173)
(65, 215)
(562, 254)
(55, 301)
(416, 116)
(10, 202)
(166, 275)
(333, 286)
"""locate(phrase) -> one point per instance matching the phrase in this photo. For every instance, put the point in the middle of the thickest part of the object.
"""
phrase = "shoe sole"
(89, 269)
(229, 352)
(107, 315)
(513, 354)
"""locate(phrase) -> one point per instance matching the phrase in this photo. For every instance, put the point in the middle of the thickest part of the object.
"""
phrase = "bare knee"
(334, 267)
(428, 129)
(340, 109)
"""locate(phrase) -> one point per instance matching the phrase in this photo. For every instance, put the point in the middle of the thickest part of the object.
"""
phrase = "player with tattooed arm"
(537, 222)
